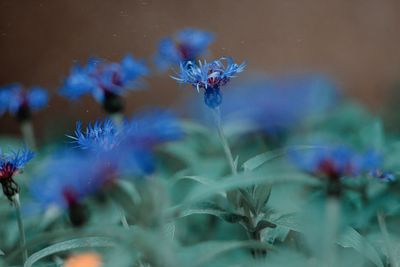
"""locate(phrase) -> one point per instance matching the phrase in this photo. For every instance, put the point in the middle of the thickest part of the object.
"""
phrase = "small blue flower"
(10, 164)
(20, 102)
(383, 176)
(131, 144)
(277, 105)
(186, 45)
(101, 135)
(69, 177)
(335, 162)
(209, 76)
(153, 127)
(104, 79)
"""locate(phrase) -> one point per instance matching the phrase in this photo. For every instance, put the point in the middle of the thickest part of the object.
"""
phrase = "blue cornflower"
(67, 177)
(335, 162)
(106, 81)
(101, 135)
(276, 105)
(384, 176)
(132, 143)
(11, 164)
(153, 127)
(210, 77)
(186, 45)
(20, 102)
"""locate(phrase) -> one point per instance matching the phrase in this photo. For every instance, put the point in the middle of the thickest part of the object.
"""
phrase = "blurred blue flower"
(209, 76)
(186, 45)
(153, 127)
(335, 162)
(384, 176)
(104, 79)
(20, 102)
(10, 164)
(102, 134)
(68, 177)
(276, 105)
(132, 143)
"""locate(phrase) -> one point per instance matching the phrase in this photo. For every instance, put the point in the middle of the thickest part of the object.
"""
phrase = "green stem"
(332, 223)
(22, 239)
(386, 239)
(224, 142)
(247, 199)
(28, 134)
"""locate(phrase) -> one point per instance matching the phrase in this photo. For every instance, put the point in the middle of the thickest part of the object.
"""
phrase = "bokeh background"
(356, 42)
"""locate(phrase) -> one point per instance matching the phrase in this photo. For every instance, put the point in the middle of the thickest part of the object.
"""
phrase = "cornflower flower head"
(106, 81)
(67, 178)
(278, 105)
(153, 127)
(209, 77)
(186, 45)
(336, 162)
(20, 102)
(10, 165)
(102, 135)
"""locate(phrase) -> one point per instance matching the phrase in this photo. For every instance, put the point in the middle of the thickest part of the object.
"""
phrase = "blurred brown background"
(357, 42)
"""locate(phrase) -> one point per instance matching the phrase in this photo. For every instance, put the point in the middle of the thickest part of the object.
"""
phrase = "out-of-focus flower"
(153, 127)
(86, 259)
(186, 45)
(277, 105)
(131, 144)
(20, 102)
(10, 165)
(102, 134)
(106, 81)
(335, 162)
(384, 176)
(209, 76)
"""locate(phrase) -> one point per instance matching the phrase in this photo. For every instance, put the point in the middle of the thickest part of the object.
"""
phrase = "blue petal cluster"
(277, 105)
(335, 162)
(209, 76)
(102, 134)
(13, 98)
(10, 164)
(99, 77)
(68, 177)
(186, 45)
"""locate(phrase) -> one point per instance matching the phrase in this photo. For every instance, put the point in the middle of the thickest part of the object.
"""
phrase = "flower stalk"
(22, 239)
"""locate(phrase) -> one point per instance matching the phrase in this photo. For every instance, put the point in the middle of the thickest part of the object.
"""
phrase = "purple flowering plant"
(154, 188)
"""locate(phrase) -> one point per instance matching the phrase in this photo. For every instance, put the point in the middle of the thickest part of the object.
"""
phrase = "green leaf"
(373, 135)
(2, 253)
(260, 159)
(352, 239)
(213, 209)
(199, 255)
(256, 161)
(244, 180)
(68, 245)
(290, 221)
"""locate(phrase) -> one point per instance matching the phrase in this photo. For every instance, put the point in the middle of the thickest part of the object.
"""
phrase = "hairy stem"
(22, 239)
(332, 223)
(28, 134)
(224, 142)
(386, 239)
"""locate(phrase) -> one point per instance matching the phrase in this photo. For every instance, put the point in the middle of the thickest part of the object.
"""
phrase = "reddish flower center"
(7, 171)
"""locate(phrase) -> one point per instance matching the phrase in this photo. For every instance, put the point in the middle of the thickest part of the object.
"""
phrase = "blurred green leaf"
(68, 245)
(201, 254)
(245, 180)
(2, 253)
(352, 239)
(213, 209)
(372, 135)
